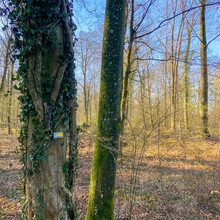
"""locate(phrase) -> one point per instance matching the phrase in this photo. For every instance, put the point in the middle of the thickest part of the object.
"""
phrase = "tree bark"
(10, 100)
(165, 85)
(48, 106)
(142, 77)
(186, 75)
(149, 97)
(186, 84)
(102, 182)
(125, 88)
(5, 65)
(204, 71)
(173, 85)
(175, 54)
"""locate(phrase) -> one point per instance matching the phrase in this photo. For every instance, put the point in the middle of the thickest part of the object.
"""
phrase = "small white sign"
(57, 135)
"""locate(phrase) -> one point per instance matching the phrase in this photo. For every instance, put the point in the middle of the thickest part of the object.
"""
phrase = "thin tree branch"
(212, 39)
(161, 24)
(144, 15)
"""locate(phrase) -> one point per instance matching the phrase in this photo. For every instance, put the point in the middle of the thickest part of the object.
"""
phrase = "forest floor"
(175, 179)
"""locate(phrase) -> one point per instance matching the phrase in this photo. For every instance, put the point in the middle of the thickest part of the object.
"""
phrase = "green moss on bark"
(102, 183)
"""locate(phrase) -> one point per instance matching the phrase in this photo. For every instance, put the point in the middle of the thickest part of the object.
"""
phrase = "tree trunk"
(186, 84)
(204, 71)
(48, 106)
(10, 100)
(2, 85)
(125, 92)
(45, 199)
(173, 87)
(165, 88)
(102, 182)
(165, 66)
(175, 54)
(142, 91)
(85, 100)
(5, 65)
(186, 75)
(149, 97)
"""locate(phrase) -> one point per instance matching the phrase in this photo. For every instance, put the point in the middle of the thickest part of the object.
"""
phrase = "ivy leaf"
(30, 41)
(37, 147)
(4, 27)
(33, 113)
(48, 89)
(65, 15)
(14, 78)
(61, 104)
(46, 146)
(31, 157)
(42, 157)
(66, 122)
(34, 121)
(47, 137)
(16, 87)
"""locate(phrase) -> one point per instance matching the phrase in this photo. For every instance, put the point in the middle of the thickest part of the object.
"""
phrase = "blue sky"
(89, 14)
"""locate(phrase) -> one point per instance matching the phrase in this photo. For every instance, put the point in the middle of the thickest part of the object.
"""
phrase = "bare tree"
(88, 57)
(204, 71)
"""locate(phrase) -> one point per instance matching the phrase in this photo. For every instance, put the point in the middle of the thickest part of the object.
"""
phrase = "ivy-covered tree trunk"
(44, 36)
(204, 71)
(102, 182)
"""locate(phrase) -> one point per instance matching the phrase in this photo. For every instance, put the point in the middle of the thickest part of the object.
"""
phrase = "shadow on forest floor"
(185, 185)
(10, 174)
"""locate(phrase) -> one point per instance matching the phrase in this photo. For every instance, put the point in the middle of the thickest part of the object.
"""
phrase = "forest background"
(168, 165)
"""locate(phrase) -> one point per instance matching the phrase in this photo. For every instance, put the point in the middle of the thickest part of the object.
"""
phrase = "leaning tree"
(43, 41)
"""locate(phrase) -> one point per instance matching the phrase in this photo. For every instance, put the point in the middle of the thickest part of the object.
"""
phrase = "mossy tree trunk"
(204, 71)
(102, 182)
(48, 105)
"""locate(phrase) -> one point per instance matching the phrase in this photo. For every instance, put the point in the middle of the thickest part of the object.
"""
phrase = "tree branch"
(212, 39)
(161, 24)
